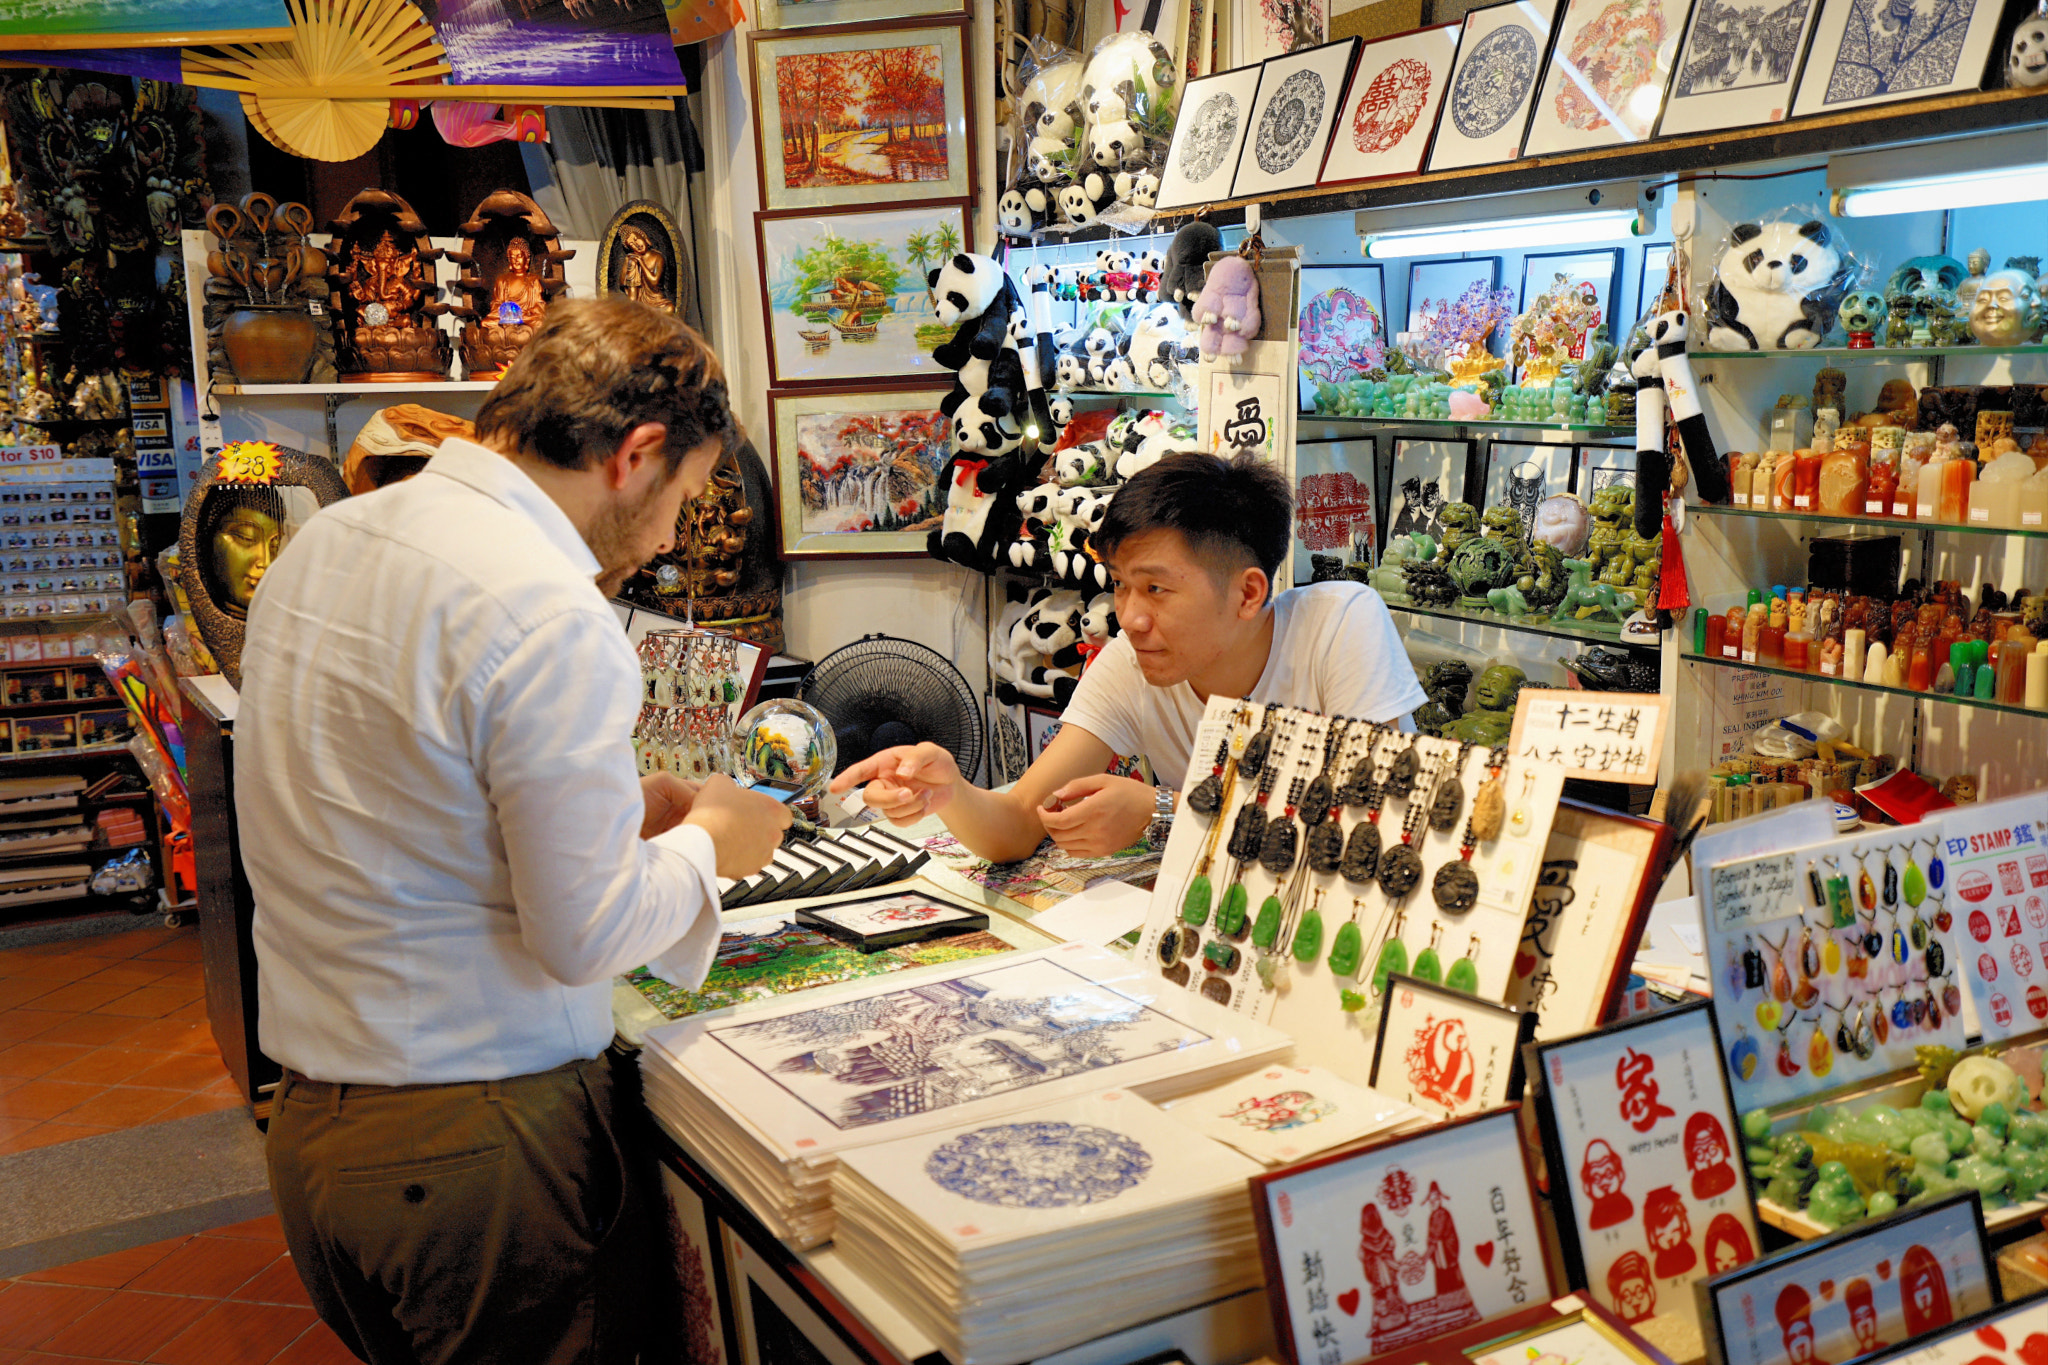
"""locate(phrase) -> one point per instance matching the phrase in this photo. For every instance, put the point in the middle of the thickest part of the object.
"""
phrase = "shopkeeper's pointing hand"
(905, 783)
(1097, 815)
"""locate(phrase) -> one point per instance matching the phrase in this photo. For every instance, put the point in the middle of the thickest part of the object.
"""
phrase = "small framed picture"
(885, 921)
(1651, 280)
(1639, 1125)
(115, 725)
(2006, 1335)
(1600, 466)
(1335, 514)
(857, 470)
(1384, 123)
(861, 112)
(1040, 727)
(1447, 1052)
(1425, 476)
(1577, 289)
(1281, 1114)
(1291, 119)
(1860, 57)
(811, 13)
(1585, 1335)
(1739, 65)
(1521, 474)
(1401, 1242)
(1207, 138)
(1432, 284)
(33, 733)
(1605, 83)
(1886, 1282)
(1342, 330)
(1500, 61)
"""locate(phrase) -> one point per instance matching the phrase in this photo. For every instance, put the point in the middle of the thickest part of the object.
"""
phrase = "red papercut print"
(1630, 1290)
(1397, 1188)
(1706, 1156)
(1640, 1107)
(1795, 1325)
(1728, 1244)
(1440, 1064)
(1923, 1291)
(1862, 1306)
(1614, 56)
(1670, 1232)
(1601, 1176)
(1390, 106)
(1396, 1321)
(1328, 506)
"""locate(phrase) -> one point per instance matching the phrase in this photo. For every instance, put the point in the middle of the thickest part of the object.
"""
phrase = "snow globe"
(787, 747)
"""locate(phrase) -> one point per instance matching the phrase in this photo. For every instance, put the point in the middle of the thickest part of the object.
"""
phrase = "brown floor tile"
(134, 972)
(263, 1229)
(84, 996)
(237, 1334)
(194, 1105)
(122, 1106)
(185, 951)
(111, 1066)
(18, 1026)
(111, 1271)
(35, 1058)
(93, 1030)
(31, 1314)
(19, 990)
(209, 1266)
(46, 1099)
(15, 1127)
(171, 1035)
(45, 1134)
(46, 1020)
(276, 1283)
(319, 1346)
(196, 1009)
(146, 1002)
(123, 946)
(128, 1326)
(188, 1071)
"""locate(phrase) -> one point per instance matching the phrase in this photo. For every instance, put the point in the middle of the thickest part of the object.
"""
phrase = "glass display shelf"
(1113, 393)
(2012, 708)
(363, 388)
(1528, 625)
(1870, 523)
(75, 751)
(1579, 428)
(1876, 352)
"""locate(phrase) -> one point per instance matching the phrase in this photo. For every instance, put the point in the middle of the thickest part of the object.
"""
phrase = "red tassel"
(1674, 594)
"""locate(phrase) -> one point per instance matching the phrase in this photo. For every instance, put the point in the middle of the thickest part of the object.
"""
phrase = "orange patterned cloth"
(395, 442)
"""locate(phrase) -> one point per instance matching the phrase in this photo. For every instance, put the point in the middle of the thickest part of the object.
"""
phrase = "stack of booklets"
(1018, 1238)
(769, 1097)
(836, 860)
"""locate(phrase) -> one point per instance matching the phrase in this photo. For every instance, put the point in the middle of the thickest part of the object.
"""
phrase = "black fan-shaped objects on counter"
(880, 691)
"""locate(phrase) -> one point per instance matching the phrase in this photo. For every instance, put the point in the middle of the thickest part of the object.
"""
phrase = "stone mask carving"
(1921, 300)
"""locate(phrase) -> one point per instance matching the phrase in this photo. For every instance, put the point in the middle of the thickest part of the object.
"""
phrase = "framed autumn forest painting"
(848, 116)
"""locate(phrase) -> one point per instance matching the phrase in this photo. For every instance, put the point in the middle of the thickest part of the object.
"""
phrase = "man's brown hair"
(596, 369)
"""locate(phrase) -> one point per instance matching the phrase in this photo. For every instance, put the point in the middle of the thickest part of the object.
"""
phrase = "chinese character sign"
(1602, 736)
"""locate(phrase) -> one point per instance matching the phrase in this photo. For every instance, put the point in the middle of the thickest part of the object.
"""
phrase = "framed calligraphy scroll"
(1405, 1241)
(1641, 1139)
(1594, 893)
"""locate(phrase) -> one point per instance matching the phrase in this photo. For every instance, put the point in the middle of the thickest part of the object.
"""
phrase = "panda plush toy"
(1024, 208)
(1098, 627)
(1777, 288)
(1052, 631)
(2026, 61)
(986, 407)
(1080, 207)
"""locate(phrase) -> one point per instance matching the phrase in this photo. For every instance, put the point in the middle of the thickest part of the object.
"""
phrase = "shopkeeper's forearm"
(999, 826)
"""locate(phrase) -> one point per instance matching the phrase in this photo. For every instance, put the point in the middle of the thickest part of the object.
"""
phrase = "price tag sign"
(1604, 736)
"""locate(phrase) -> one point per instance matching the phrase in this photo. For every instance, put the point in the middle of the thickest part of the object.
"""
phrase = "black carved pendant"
(1207, 796)
(1169, 946)
(1362, 853)
(1400, 870)
(1316, 802)
(1456, 887)
(1358, 788)
(1248, 833)
(1277, 849)
(1255, 751)
(1326, 847)
(1936, 958)
(1449, 803)
(1401, 776)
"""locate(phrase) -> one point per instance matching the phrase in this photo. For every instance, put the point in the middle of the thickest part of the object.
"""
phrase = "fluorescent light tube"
(1966, 189)
(1505, 234)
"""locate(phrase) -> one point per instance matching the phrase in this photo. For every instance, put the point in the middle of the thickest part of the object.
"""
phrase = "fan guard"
(880, 691)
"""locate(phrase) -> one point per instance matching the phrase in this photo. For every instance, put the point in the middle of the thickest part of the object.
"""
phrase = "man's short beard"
(615, 537)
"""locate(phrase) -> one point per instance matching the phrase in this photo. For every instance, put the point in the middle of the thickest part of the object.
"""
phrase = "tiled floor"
(226, 1297)
(104, 1033)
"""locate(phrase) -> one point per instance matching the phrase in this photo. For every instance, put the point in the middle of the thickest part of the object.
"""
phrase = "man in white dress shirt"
(448, 846)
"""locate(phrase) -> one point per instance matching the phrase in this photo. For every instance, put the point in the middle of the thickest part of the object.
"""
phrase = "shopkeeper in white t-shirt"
(1194, 542)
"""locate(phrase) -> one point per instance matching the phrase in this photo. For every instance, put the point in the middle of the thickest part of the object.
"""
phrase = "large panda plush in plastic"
(1777, 287)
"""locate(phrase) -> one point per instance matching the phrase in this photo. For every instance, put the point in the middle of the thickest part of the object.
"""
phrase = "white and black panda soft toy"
(1025, 207)
(2026, 61)
(1078, 206)
(1777, 287)
(987, 406)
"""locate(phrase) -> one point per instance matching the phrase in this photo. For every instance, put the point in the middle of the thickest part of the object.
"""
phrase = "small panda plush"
(981, 516)
(983, 425)
(965, 286)
(1052, 629)
(1157, 336)
(1028, 550)
(1153, 449)
(1024, 208)
(1777, 287)
(1115, 145)
(1010, 653)
(1070, 370)
(1055, 122)
(1061, 409)
(1078, 206)
(1119, 375)
(1098, 626)
(2026, 62)
(1079, 466)
(1050, 160)
(1139, 188)
(1081, 514)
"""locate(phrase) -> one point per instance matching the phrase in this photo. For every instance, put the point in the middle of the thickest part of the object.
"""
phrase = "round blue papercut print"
(1494, 82)
(1039, 1165)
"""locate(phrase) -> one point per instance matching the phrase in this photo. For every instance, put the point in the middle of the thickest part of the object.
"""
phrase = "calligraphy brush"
(1686, 808)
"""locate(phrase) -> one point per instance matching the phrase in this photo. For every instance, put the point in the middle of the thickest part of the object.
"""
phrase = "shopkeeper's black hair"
(1235, 513)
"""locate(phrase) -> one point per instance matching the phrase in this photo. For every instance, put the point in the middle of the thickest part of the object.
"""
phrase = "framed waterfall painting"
(857, 470)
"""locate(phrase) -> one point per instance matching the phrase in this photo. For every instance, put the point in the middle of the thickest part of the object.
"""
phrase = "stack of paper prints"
(770, 1098)
(1281, 1114)
(1013, 1239)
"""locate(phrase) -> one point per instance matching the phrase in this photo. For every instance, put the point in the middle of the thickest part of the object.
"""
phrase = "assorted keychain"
(689, 680)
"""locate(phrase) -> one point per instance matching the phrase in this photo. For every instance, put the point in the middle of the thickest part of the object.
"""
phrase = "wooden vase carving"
(385, 299)
(270, 345)
(263, 278)
(511, 261)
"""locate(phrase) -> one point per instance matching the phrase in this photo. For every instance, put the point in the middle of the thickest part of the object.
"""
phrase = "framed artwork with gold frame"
(856, 470)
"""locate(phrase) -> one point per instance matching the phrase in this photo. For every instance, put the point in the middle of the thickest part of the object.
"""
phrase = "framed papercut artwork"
(856, 471)
(885, 921)
(1426, 475)
(845, 293)
(1651, 279)
(1291, 119)
(1433, 284)
(2011, 1334)
(703, 1317)
(1500, 61)
(1342, 330)
(1521, 475)
(1043, 727)
(1390, 109)
(1739, 65)
(1638, 1122)
(1334, 509)
(1605, 82)
(1600, 466)
(1583, 287)
(848, 117)
(1885, 1282)
(1585, 1334)
(1445, 1051)
(1862, 55)
(811, 13)
(1401, 1242)
(1207, 136)
(1274, 28)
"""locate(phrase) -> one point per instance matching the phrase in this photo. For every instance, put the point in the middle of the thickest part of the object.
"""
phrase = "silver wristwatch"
(1162, 819)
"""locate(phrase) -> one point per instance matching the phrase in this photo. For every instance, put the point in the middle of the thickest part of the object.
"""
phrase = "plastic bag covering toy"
(1778, 284)
(1228, 310)
(1127, 93)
